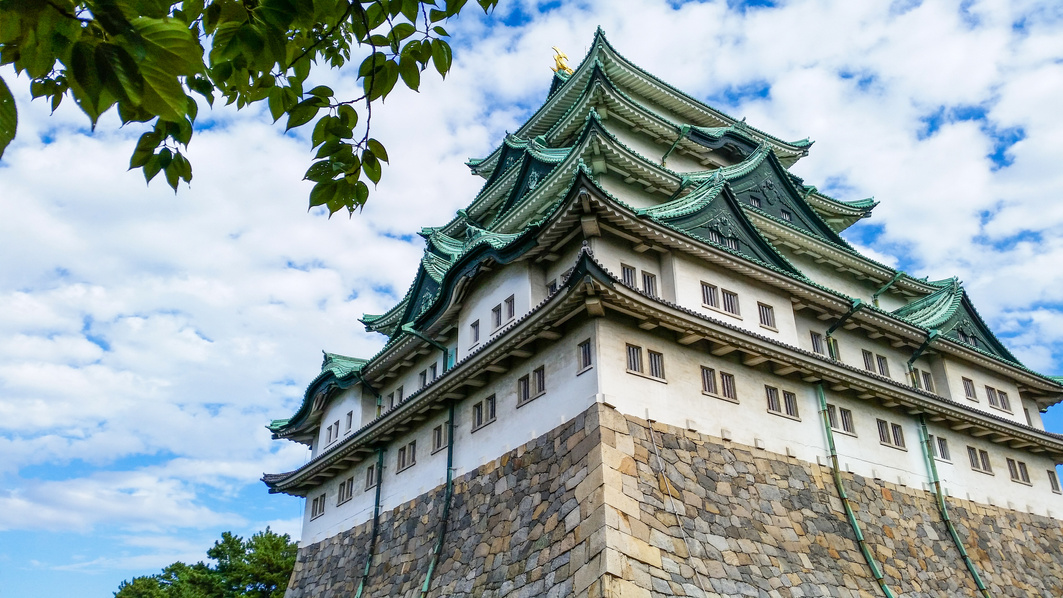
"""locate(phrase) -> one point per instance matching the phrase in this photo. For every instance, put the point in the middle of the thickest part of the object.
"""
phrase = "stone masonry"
(600, 508)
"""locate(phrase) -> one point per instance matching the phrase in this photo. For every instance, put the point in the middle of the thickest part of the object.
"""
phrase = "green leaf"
(319, 171)
(348, 116)
(173, 174)
(361, 192)
(402, 31)
(170, 51)
(322, 193)
(118, 72)
(371, 166)
(320, 131)
(410, 73)
(275, 100)
(152, 168)
(378, 150)
(302, 113)
(440, 31)
(8, 117)
(322, 91)
(441, 56)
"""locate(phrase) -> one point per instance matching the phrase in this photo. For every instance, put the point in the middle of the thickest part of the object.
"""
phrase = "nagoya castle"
(644, 361)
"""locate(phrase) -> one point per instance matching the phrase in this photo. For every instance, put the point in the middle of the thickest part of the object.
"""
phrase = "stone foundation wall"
(585, 510)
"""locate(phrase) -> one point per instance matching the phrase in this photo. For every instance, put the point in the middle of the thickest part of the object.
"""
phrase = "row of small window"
(649, 280)
(332, 431)
(997, 398)
(786, 214)
(711, 296)
(507, 308)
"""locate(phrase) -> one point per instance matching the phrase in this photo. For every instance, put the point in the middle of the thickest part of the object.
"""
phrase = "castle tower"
(644, 362)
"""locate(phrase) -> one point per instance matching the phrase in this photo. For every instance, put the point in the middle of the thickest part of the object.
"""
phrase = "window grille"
(649, 284)
(817, 342)
(496, 316)
(727, 385)
(979, 460)
(1005, 404)
(656, 364)
(628, 274)
(511, 308)
(634, 359)
(883, 366)
(767, 315)
(523, 390)
(773, 399)
(708, 380)
(787, 216)
(732, 243)
(968, 389)
(991, 396)
(370, 477)
(869, 360)
(730, 302)
(539, 380)
(754, 201)
(475, 328)
(1053, 479)
(789, 400)
(584, 353)
(710, 295)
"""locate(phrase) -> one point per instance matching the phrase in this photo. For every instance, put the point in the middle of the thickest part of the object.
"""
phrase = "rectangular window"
(346, 491)
(789, 400)
(883, 366)
(754, 201)
(370, 477)
(1054, 480)
(847, 421)
(583, 355)
(715, 237)
(773, 399)
(710, 295)
(328, 435)
(898, 435)
(728, 387)
(817, 342)
(551, 287)
(767, 315)
(1029, 421)
(439, 438)
(511, 308)
(942, 449)
(869, 360)
(732, 243)
(730, 302)
(523, 390)
(1018, 472)
(350, 421)
(844, 423)
(398, 394)
(708, 380)
(979, 460)
(634, 359)
(656, 364)
(422, 378)
(991, 396)
(474, 329)
(1005, 404)
(832, 348)
(407, 456)
(787, 216)
(539, 380)
(890, 434)
(628, 275)
(496, 316)
(483, 413)
(317, 507)
(968, 389)
(649, 284)
(928, 382)
(432, 372)
(391, 401)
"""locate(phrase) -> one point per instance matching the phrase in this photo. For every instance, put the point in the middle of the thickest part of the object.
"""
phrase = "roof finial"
(561, 63)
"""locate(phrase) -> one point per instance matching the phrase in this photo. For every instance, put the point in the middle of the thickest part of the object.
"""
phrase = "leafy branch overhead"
(146, 57)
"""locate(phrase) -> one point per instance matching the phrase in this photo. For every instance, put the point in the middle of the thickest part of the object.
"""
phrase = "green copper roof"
(936, 308)
(335, 369)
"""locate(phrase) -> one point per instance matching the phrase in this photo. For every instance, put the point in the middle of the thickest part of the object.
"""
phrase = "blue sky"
(147, 338)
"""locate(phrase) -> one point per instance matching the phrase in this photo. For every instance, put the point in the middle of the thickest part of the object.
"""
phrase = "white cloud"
(146, 338)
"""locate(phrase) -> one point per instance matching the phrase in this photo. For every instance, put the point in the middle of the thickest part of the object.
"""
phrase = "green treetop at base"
(258, 567)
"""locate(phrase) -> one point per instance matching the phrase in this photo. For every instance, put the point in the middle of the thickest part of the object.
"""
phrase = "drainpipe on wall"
(919, 352)
(858, 304)
(896, 277)
(683, 132)
(446, 504)
(373, 391)
(871, 562)
(376, 522)
(431, 341)
(928, 455)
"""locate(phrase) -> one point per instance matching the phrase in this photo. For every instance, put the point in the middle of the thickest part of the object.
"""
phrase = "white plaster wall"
(631, 194)
(1035, 414)
(680, 402)
(611, 252)
(568, 393)
(689, 275)
(956, 370)
(844, 282)
(489, 290)
(348, 400)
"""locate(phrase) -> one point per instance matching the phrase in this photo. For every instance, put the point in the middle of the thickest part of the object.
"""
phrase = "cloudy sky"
(146, 338)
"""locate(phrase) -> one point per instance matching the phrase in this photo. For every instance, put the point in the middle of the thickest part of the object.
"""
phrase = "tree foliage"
(258, 567)
(146, 58)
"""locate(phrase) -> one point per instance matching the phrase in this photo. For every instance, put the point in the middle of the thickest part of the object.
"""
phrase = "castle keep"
(644, 362)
